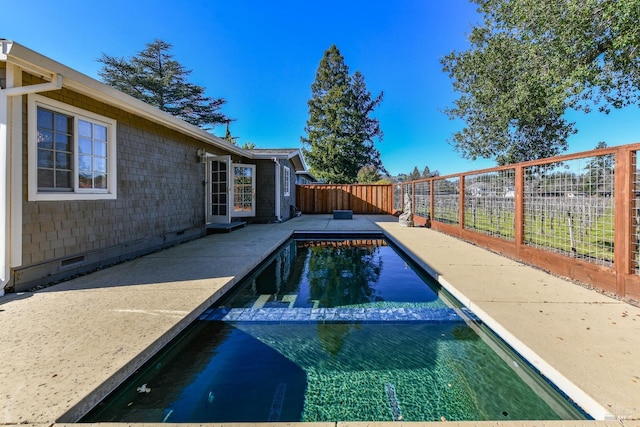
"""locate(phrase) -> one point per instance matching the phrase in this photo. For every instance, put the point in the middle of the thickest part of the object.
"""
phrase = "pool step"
(338, 315)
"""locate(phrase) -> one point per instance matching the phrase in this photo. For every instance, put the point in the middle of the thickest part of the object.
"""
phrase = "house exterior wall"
(266, 191)
(159, 202)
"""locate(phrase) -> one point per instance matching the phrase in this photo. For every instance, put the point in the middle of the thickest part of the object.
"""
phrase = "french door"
(244, 190)
(219, 189)
(231, 190)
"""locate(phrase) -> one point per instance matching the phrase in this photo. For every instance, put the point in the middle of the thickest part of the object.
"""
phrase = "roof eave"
(45, 67)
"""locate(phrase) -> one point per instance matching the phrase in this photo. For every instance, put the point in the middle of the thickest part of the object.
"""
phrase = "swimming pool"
(335, 330)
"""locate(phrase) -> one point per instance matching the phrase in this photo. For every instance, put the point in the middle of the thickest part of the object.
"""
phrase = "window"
(287, 181)
(72, 153)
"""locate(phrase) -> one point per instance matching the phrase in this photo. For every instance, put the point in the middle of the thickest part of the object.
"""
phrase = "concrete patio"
(66, 346)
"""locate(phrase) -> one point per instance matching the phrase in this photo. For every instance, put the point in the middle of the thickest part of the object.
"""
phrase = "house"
(92, 176)
(288, 167)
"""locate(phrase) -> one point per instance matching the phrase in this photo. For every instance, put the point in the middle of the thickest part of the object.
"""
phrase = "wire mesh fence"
(635, 215)
(569, 208)
(422, 199)
(446, 203)
(489, 203)
(397, 197)
(584, 206)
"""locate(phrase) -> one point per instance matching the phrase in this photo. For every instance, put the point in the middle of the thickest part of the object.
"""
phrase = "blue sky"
(261, 56)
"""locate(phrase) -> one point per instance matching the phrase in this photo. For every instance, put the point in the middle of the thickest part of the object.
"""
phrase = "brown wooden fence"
(576, 215)
(360, 198)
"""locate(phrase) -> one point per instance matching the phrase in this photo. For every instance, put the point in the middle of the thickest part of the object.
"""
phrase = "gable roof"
(292, 154)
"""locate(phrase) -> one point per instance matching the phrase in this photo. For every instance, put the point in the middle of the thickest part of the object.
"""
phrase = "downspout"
(277, 189)
(202, 157)
(4, 185)
(6, 93)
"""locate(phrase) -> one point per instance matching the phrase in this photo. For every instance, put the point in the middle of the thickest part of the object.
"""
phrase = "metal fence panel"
(569, 208)
(446, 200)
(489, 203)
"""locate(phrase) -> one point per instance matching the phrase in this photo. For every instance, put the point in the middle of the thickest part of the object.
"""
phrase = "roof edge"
(44, 67)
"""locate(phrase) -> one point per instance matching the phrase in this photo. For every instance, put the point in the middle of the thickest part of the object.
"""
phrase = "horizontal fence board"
(360, 198)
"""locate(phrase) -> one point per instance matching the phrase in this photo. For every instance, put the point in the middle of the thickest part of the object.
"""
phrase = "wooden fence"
(576, 215)
(360, 198)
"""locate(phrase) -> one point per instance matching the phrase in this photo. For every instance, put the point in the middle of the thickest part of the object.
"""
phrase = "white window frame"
(287, 180)
(76, 193)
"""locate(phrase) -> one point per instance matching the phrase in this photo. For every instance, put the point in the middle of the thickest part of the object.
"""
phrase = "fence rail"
(576, 215)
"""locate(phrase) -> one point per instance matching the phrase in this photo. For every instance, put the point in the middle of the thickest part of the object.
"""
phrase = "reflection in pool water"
(335, 331)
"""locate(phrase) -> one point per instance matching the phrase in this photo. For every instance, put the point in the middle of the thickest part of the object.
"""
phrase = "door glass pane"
(218, 188)
(243, 186)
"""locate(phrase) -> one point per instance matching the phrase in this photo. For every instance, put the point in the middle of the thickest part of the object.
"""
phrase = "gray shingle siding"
(159, 203)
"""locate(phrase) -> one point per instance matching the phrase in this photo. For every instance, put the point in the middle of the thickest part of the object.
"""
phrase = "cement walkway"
(65, 347)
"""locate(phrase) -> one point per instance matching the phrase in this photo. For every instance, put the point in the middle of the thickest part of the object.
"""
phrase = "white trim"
(54, 84)
(15, 188)
(4, 185)
(277, 190)
(287, 181)
(218, 219)
(34, 101)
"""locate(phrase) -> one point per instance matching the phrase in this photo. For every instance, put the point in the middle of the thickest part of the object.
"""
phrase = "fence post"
(461, 201)
(432, 198)
(623, 194)
(518, 215)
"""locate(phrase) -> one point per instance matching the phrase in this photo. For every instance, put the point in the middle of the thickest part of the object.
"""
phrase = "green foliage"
(343, 276)
(532, 60)
(153, 76)
(228, 136)
(368, 175)
(415, 174)
(599, 173)
(340, 130)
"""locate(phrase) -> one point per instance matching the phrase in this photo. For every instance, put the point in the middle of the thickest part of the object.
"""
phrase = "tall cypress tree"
(153, 76)
(340, 131)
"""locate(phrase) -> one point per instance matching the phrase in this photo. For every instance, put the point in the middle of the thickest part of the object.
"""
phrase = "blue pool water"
(338, 330)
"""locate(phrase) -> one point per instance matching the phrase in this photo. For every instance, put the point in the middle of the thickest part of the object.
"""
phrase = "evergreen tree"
(153, 76)
(427, 173)
(365, 129)
(340, 130)
(415, 174)
(227, 135)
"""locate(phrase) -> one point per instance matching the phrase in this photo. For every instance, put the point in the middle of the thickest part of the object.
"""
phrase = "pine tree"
(340, 129)
(415, 174)
(153, 76)
(427, 173)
